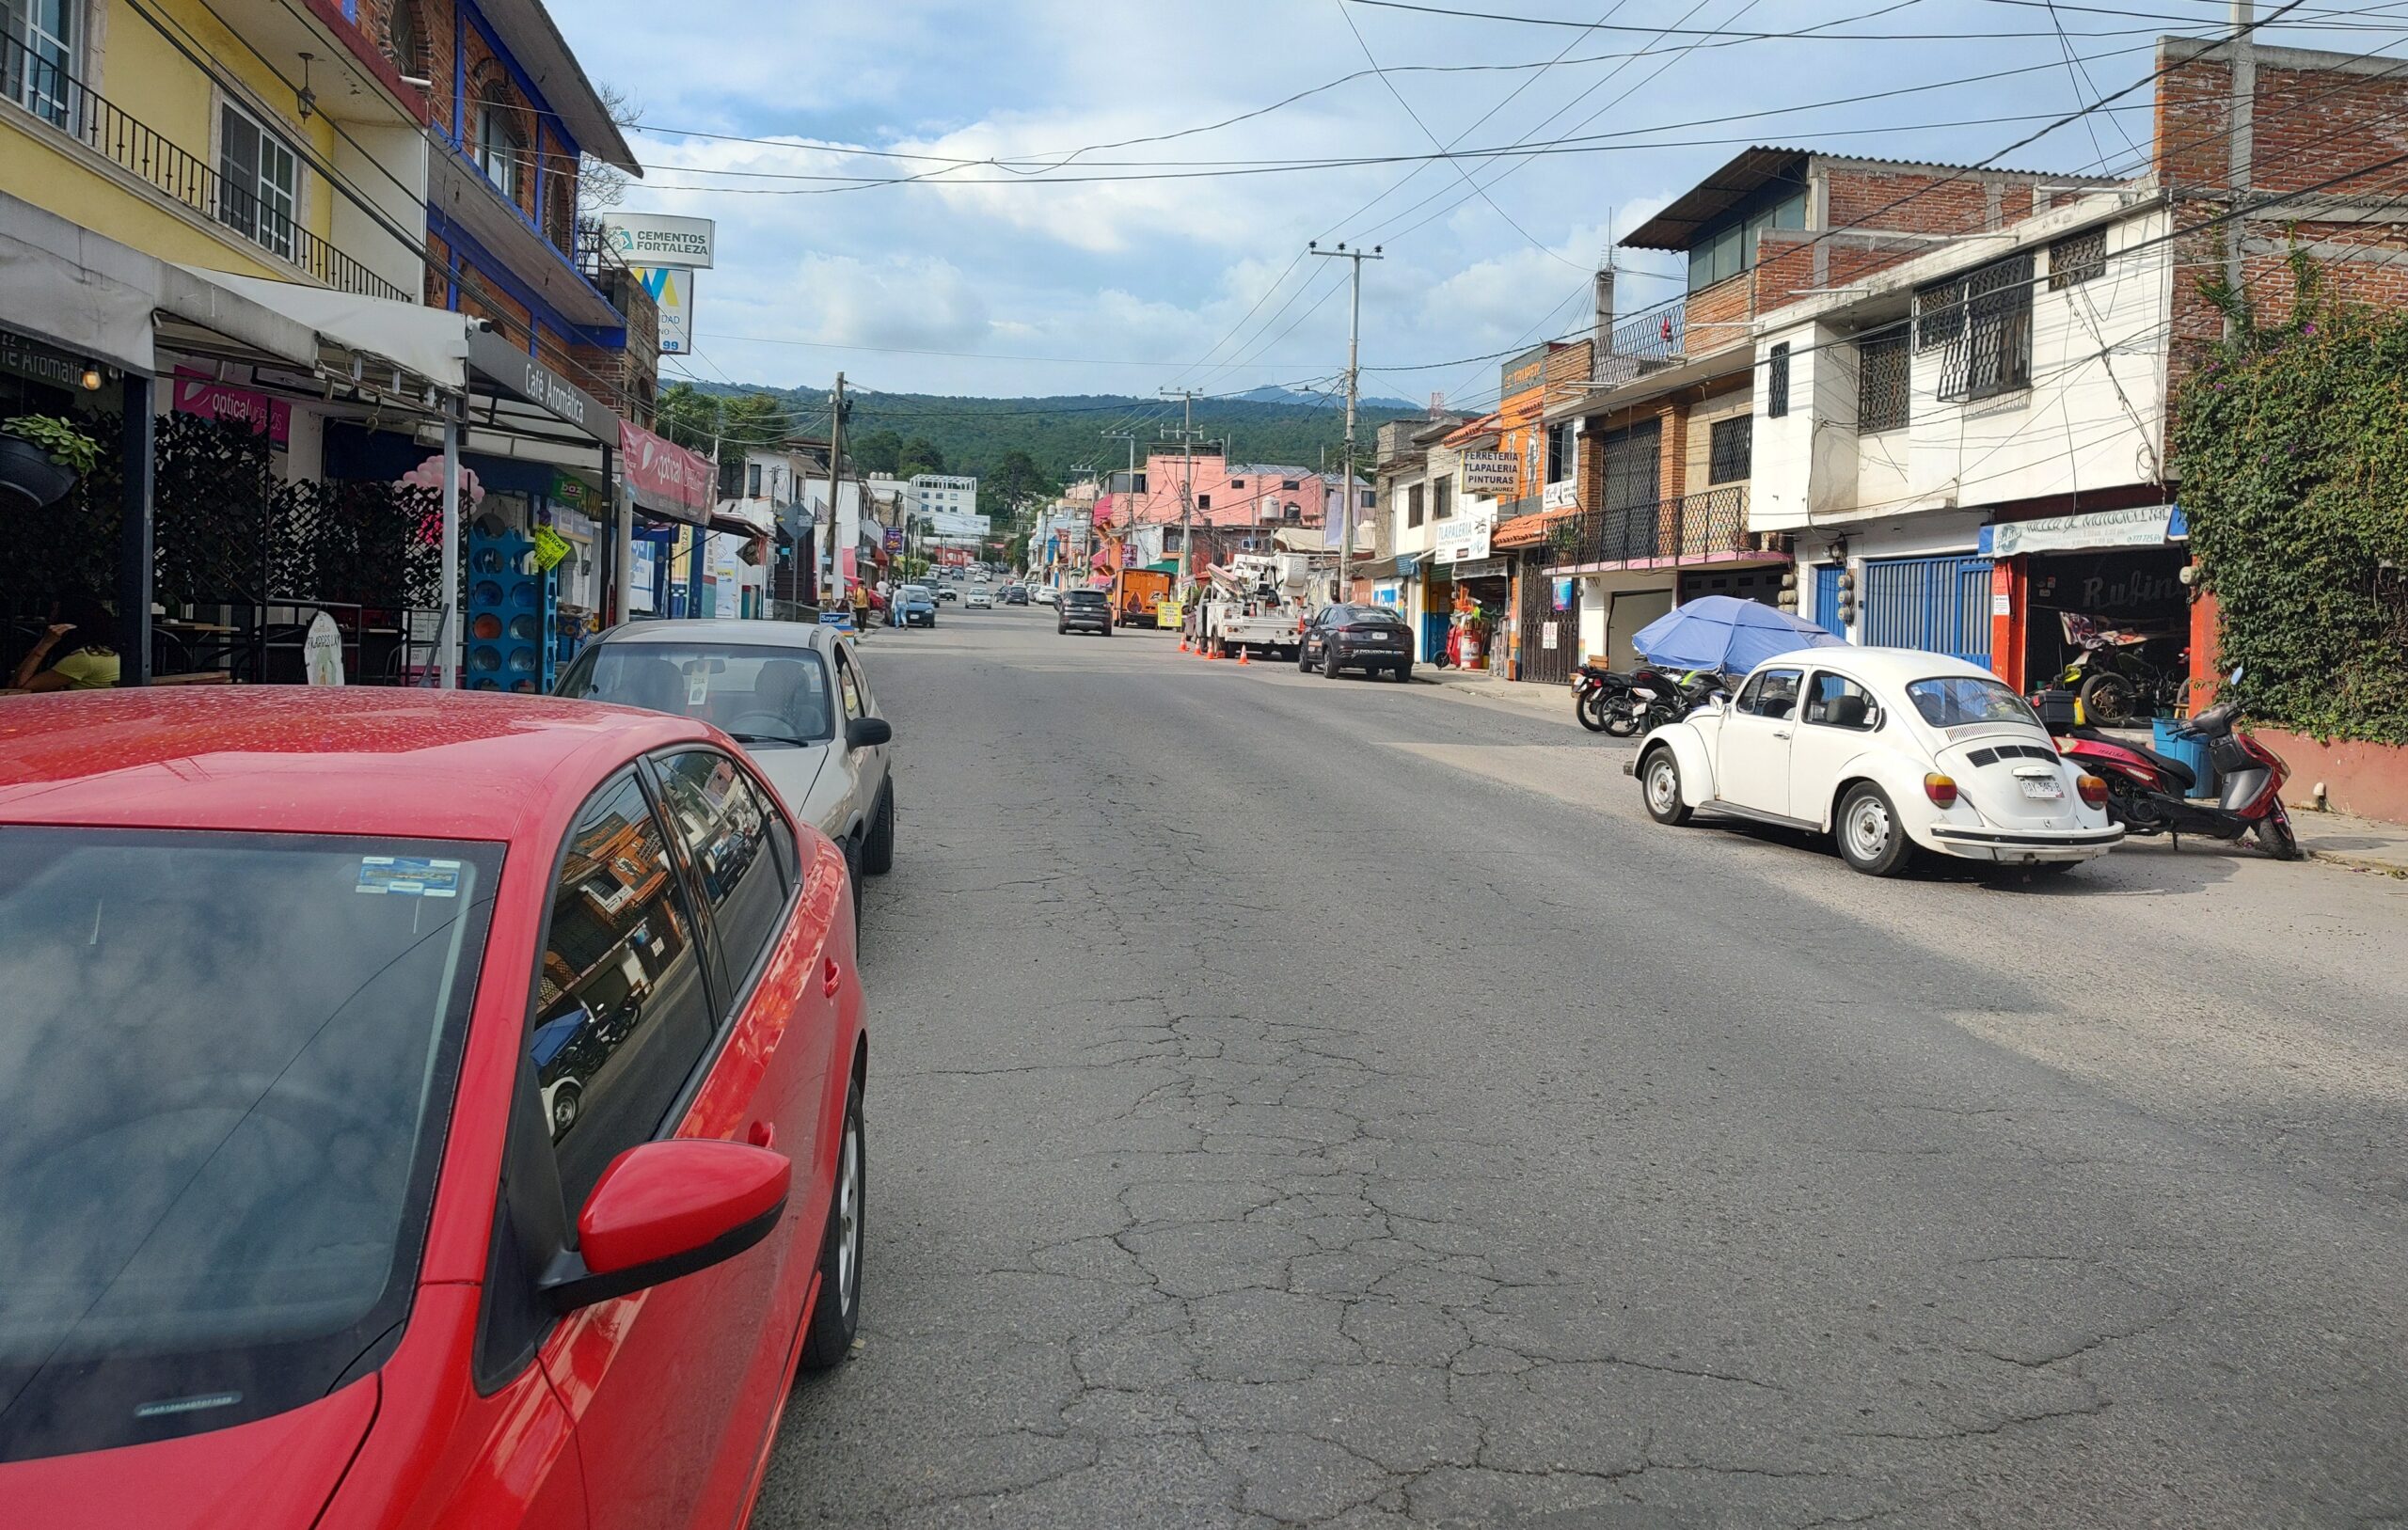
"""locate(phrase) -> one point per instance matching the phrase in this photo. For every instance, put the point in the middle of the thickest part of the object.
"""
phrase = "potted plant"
(40, 458)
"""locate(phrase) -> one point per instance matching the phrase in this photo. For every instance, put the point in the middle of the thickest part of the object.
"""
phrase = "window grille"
(2076, 258)
(1731, 445)
(1882, 373)
(1777, 382)
(1992, 351)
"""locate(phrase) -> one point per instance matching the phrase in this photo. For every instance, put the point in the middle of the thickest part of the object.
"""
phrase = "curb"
(2355, 862)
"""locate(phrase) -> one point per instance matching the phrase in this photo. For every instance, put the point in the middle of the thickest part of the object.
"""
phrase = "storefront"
(2105, 582)
(1920, 582)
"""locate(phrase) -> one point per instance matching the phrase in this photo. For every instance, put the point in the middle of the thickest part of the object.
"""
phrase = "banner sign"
(895, 539)
(1488, 474)
(673, 292)
(1563, 495)
(196, 393)
(2146, 527)
(654, 238)
(664, 473)
(947, 523)
(1466, 539)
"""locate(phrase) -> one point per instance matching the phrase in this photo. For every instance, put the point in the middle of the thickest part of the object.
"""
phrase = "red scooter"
(2149, 792)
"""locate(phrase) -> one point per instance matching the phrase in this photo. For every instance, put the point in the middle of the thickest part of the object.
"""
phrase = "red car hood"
(273, 1474)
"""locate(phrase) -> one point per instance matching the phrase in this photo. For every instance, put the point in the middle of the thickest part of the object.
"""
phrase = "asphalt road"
(1297, 1102)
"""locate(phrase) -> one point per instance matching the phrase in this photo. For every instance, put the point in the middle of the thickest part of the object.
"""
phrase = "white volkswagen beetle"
(1887, 750)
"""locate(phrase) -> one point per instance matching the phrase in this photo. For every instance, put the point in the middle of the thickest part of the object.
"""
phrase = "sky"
(1011, 266)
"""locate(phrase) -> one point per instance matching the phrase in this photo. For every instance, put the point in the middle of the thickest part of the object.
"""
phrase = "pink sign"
(196, 393)
(660, 469)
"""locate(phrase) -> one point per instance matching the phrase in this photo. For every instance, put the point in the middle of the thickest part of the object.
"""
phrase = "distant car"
(299, 1230)
(1888, 750)
(980, 594)
(1045, 595)
(1015, 594)
(948, 592)
(915, 605)
(794, 694)
(1372, 639)
(1084, 610)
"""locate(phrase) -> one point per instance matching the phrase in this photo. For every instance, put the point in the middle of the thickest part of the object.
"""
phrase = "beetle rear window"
(1962, 700)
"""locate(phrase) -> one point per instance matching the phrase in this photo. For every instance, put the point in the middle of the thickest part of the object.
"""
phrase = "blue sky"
(1131, 285)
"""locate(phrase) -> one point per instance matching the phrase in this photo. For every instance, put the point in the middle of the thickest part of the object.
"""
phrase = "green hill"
(1063, 433)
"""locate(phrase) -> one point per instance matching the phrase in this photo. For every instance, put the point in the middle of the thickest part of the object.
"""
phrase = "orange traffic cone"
(1242, 659)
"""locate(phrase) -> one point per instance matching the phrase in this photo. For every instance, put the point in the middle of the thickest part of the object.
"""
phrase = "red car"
(416, 1110)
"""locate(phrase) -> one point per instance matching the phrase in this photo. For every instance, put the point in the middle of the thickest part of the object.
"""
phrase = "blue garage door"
(1827, 599)
(1940, 604)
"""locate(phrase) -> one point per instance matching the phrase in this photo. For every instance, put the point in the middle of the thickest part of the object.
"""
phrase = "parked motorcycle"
(1598, 700)
(2113, 674)
(2149, 792)
(1658, 696)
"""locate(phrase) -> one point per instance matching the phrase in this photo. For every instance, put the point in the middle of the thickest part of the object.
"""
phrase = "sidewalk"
(2359, 843)
(1480, 686)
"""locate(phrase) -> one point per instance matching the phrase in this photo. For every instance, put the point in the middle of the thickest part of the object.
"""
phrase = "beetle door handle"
(832, 977)
(1781, 732)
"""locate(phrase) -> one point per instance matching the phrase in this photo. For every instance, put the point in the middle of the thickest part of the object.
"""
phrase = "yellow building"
(249, 136)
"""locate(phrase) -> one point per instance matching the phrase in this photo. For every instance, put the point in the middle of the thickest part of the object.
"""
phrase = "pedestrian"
(76, 652)
(861, 607)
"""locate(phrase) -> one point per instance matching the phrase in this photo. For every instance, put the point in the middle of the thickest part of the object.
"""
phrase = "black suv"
(1369, 638)
(1084, 610)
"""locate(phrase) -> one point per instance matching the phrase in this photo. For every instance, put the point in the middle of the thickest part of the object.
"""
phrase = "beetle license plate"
(2042, 789)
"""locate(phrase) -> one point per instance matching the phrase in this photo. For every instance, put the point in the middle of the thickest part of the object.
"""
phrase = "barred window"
(1939, 313)
(2076, 258)
(1881, 377)
(1991, 352)
(1731, 443)
(1777, 382)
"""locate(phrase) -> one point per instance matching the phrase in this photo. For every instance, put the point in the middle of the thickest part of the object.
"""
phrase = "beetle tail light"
(1940, 789)
(2093, 790)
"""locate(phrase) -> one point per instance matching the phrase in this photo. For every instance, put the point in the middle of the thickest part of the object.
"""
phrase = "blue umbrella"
(1719, 632)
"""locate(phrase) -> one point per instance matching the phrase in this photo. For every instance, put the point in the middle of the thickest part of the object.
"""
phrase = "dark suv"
(1367, 638)
(1084, 610)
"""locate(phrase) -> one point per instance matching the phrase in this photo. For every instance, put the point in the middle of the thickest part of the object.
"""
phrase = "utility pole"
(1346, 468)
(836, 491)
(1187, 397)
(2243, 67)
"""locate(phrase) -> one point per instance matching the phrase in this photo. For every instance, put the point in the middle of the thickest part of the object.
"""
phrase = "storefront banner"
(1487, 473)
(1466, 540)
(1386, 593)
(2145, 527)
(1563, 495)
(196, 393)
(661, 470)
(1484, 568)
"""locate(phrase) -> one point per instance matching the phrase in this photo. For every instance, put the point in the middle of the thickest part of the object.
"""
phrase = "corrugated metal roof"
(1752, 170)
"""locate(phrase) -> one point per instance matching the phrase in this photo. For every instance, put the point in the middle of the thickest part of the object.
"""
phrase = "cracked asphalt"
(1335, 1103)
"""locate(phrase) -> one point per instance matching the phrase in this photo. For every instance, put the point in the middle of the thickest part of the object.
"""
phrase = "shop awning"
(1528, 530)
(666, 479)
(431, 344)
(2095, 531)
(104, 300)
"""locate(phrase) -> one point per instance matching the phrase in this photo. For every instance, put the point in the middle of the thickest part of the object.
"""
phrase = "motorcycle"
(2147, 792)
(1598, 696)
(2112, 675)
(1657, 696)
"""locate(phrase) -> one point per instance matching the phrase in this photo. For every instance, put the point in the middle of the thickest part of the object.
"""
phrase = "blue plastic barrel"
(2192, 751)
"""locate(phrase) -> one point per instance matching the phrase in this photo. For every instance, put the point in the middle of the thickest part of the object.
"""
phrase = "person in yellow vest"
(75, 652)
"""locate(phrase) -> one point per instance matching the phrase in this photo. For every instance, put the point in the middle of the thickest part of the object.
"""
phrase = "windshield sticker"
(409, 876)
(698, 689)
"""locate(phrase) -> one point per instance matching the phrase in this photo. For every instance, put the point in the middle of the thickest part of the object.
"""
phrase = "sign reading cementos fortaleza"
(657, 240)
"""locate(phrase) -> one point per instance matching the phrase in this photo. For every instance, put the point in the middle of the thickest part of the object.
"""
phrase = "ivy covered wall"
(2293, 446)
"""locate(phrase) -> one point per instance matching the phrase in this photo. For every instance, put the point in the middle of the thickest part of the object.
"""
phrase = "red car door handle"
(832, 977)
(762, 1135)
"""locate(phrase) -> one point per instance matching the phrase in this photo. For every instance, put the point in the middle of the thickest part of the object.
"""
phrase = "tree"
(877, 451)
(919, 455)
(1017, 482)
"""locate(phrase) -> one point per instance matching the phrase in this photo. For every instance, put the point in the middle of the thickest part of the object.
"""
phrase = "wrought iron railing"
(1656, 335)
(37, 84)
(1693, 527)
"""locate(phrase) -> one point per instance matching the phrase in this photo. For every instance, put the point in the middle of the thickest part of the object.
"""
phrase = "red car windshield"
(225, 1064)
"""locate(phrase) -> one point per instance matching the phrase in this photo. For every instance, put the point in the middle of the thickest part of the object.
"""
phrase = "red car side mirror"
(665, 1209)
